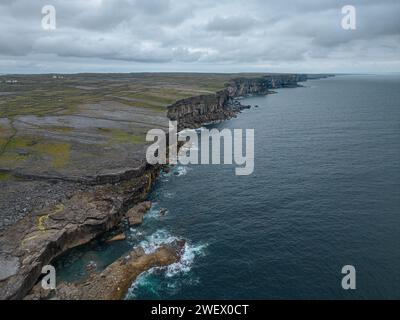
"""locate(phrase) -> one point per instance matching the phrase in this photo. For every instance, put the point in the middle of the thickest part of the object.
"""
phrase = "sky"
(199, 36)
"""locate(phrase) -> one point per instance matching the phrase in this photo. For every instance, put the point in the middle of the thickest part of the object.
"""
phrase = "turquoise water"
(325, 193)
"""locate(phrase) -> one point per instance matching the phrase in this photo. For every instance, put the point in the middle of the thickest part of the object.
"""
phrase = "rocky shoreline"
(35, 240)
(113, 282)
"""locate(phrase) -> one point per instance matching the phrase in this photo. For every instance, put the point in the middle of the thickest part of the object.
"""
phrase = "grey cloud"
(176, 34)
(232, 26)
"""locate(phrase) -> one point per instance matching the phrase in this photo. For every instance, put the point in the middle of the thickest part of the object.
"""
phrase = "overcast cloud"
(201, 35)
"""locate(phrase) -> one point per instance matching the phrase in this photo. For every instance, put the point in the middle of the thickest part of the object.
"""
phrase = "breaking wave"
(152, 242)
(180, 171)
(154, 211)
(155, 281)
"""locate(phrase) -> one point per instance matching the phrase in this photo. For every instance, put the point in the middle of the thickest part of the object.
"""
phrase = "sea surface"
(325, 193)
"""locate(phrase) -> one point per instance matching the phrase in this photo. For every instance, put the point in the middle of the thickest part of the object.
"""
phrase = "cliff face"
(193, 112)
(244, 86)
(36, 240)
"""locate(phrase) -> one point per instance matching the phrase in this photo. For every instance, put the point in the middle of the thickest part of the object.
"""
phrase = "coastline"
(35, 241)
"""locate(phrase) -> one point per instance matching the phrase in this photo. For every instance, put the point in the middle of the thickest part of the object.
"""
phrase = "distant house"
(58, 76)
(11, 81)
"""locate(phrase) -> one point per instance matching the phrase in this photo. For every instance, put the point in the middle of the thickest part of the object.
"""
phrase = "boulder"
(136, 214)
(118, 237)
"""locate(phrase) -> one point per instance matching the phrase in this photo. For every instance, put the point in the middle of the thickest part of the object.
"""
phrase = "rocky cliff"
(35, 240)
(195, 111)
(38, 238)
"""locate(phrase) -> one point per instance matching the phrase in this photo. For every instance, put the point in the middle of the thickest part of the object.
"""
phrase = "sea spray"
(166, 279)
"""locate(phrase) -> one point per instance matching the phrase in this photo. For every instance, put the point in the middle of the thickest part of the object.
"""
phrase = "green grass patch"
(59, 152)
(20, 142)
(119, 136)
(11, 160)
(62, 129)
(6, 177)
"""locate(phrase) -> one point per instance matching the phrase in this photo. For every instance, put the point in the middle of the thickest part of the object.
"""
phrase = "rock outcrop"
(114, 282)
(136, 214)
(118, 237)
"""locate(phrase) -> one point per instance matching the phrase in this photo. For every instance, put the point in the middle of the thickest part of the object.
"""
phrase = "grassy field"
(44, 95)
(82, 122)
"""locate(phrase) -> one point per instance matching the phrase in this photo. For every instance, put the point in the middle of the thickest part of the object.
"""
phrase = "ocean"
(325, 193)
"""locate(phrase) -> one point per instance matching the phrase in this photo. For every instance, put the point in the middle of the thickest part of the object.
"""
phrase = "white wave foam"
(200, 129)
(152, 243)
(135, 235)
(180, 171)
(184, 132)
(154, 211)
(164, 176)
(168, 195)
(143, 280)
(163, 237)
(190, 252)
